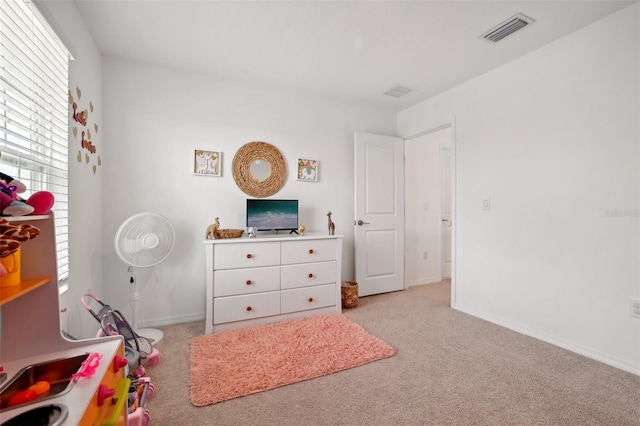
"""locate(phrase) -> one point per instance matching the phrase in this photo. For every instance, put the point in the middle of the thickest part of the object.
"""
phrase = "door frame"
(451, 123)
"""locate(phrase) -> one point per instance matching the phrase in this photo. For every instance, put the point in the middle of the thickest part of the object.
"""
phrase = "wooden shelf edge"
(25, 218)
(9, 293)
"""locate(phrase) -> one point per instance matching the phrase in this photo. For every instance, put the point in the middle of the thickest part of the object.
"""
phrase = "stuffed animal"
(9, 202)
(10, 237)
(12, 204)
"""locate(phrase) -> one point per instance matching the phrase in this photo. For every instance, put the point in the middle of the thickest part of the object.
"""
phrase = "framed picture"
(307, 170)
(207, 163)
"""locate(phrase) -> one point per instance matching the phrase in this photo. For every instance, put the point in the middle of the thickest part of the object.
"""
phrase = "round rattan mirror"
(259, 169)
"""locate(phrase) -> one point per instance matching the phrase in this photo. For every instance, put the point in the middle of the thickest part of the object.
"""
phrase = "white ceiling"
(350, 50)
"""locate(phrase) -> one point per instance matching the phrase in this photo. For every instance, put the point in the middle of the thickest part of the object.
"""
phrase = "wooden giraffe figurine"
(212, 229)
(332, 226)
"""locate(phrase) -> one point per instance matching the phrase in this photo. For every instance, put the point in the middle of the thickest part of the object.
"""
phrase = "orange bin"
(12, 264)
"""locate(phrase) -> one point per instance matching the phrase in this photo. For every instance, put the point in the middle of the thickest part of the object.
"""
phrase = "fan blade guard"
(144, 239)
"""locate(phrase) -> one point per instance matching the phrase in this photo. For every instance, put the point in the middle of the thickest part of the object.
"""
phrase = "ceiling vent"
(398, 91)
(508, 27)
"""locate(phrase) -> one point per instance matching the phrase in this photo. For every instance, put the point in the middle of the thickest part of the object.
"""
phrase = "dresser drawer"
(239, 308)
(308, 251)
(246, 255)
(302, 299)
(307, 274)
(231, 282)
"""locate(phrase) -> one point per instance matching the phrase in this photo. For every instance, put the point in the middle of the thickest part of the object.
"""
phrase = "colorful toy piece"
(9, 202)
(12, 204)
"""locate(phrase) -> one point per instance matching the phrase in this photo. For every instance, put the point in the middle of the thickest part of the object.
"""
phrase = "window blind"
(34, 129)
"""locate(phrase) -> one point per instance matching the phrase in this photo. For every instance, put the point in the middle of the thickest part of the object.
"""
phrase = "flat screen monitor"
(272, 215)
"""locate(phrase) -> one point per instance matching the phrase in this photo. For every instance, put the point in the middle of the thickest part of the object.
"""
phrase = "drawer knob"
(249, 308)
(310, 275)
(249, 256)
(310, 299)
(248, 282)
(310, 251)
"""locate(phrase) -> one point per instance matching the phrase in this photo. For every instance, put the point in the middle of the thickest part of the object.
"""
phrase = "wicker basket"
(349, 294)
(228, 233)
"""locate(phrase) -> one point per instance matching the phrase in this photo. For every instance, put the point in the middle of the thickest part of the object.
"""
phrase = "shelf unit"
(7, 294)
(30, 333)
(30, 309)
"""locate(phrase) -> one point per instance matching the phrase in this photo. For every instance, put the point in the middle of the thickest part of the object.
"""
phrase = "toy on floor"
(112, 323)
(140, 392)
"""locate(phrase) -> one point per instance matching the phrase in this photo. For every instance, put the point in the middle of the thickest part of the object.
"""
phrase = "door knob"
(360, 222)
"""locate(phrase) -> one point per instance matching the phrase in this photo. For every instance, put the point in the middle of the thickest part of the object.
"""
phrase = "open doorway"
(429, 197)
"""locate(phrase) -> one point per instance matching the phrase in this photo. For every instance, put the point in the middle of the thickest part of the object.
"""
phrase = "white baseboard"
(421, 281)
(570, 346)
(170, 320)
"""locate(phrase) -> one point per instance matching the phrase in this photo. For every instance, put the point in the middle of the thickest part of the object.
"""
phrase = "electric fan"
(144, 240)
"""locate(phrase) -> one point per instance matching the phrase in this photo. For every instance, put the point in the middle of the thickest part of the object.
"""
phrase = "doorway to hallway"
(428, 207)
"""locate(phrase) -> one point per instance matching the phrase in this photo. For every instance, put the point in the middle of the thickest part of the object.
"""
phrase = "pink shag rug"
(240, 362)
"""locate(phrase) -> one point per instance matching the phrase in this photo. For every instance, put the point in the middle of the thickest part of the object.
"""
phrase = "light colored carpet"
(449, 369)
(240, 362)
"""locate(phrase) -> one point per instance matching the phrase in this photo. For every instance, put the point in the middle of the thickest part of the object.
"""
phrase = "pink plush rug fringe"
(240, 362)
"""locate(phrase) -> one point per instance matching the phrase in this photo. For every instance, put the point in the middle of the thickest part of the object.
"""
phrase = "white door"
(445, 191)
(379, 213)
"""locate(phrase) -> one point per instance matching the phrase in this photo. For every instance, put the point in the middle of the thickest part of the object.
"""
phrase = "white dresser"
(271, 278)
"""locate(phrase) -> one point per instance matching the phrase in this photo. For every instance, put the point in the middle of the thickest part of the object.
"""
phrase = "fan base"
(153, 334)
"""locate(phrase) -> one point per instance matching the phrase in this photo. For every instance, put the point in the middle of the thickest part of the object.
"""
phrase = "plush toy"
(12, 204)
(9, 202)
(11, 235)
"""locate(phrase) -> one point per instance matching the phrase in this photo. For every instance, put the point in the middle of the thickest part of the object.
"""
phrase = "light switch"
(486, 204)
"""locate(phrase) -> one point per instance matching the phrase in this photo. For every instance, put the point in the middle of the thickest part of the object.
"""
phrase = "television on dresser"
(272, 215)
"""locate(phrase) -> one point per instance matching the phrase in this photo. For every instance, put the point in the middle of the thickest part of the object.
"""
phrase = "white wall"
(155, 118)
(85, 186)
(553, 139)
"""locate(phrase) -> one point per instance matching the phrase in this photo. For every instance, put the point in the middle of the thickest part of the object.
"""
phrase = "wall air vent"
(398, 91)
(508, 27)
